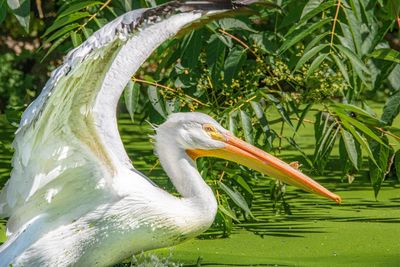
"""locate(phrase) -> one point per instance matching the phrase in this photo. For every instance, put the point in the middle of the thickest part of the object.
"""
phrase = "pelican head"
(199, 135)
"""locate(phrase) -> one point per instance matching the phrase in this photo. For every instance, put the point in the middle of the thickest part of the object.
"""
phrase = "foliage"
(20, 8)
(303, 59)
(11, 80)
(16, 87)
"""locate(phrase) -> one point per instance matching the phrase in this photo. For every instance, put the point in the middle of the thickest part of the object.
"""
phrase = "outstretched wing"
(58, 146)
(68, 148)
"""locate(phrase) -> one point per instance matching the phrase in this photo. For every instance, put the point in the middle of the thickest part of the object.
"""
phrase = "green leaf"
(354, 25)
(354, 59)
(87, 32)
(21, 10)
(377, 33)
(3, 227)
(66, 31)
(381, 70)
(282, 111)
(262, 119)
(317, 126)
(77, 6)
(350, 146)
(386, 54)
(259, 112)
(227, 220)
(310, 6)
(309, 54)
(382, 154)
(111, 10)
(393, 130)
(243, 184)
(101, 22)
(226, 40)
(265, 41)
(246, 126)
(228, 212)
(326, 132)
(13, 115)
(347, 38)
(315, 64)
(3, 10)
(314, 7)
(215, 58)
(236, 197)
(397, 164)
(172, 106)
(191, 48)
(391, 109)
(67, 20)
(301, 33)
(127, 4)
(231, 122)
(364, 144)
(360, 126)
(345, 162)
(57, 43)
(76, 38)
(341, 67)
(316, 41)
(303, 116)
(156, 101)
(233, 64)
(358, 65)
(310, 10)
(353, 108)
(235, 24)
(324, 146)
(131, 97)
(394, 78)
(361, 114)
(327, 151)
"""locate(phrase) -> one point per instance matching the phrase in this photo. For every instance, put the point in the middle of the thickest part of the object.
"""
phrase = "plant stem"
(92, 17)
(334, 23)
(167, 88)
(388, 133)
(240, 42)
(39, 8)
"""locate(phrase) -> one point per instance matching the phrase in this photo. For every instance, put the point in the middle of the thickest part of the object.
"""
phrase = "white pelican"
(74, 197)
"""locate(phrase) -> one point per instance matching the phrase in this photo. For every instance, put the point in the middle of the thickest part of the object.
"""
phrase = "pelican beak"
(252, 157)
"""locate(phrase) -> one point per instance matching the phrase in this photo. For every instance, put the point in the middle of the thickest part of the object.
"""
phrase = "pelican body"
(74, 198)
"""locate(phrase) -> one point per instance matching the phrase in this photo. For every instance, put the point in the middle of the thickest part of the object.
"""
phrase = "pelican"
(74, 198)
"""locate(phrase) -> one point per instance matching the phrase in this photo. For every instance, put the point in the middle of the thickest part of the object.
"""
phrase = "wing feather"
(57, 131)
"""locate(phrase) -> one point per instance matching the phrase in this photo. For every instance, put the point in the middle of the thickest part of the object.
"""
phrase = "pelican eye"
(213, 132)
(209, 128)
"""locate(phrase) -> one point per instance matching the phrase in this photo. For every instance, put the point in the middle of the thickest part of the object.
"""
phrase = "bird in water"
(74, 198)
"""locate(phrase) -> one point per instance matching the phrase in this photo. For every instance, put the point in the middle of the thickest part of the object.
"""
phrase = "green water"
(360, 232)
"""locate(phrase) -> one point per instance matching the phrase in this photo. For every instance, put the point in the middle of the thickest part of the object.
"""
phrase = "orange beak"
(250, 156)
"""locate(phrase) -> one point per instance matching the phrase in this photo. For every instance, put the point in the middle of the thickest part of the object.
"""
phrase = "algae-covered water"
(362, 231)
